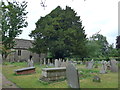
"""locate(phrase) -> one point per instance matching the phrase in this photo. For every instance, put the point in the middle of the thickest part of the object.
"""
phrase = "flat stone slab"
(27, 70)
(23, 69)
(54, 69)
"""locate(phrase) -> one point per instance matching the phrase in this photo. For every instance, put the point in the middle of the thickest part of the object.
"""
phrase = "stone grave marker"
(56, 63)
(104, 67)
(44, 61)
(30, 63)
(108, 65)
(59, 62)
(48, 62)
(114, 67)
(90, 64)
(72, 76)
(63, 64)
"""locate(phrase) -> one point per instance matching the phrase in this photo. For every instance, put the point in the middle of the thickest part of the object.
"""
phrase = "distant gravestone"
(48, 61)
(108, 65)
(51, 64)
(30, 63)
(59, 62)
(56, 63)
(90, 64)
(104, 67)
(113, 67)
(63, 64)
(44, 61)
(72, 76)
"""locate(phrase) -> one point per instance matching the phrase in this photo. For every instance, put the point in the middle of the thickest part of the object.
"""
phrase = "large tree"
(13, 20)
(61, 33)
(97, 46)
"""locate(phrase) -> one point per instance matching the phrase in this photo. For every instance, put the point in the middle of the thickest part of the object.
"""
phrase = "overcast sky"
(96, 15)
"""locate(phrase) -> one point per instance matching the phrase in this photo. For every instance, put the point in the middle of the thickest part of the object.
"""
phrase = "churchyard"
(68, 74)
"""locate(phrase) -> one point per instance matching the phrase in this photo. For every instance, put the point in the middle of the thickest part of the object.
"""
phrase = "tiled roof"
(23, 43)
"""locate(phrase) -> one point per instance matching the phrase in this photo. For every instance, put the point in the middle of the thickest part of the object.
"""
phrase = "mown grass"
(109, 80)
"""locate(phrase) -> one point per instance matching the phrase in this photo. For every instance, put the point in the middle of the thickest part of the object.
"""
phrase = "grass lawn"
(109, 80)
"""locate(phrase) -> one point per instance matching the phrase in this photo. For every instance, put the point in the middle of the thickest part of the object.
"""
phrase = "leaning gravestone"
(72, 76)
(113, 67)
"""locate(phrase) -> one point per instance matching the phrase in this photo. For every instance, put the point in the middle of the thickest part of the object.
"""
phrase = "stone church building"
(21, 52)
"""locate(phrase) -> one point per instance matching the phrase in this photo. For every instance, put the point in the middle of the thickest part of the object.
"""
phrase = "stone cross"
(72, 76)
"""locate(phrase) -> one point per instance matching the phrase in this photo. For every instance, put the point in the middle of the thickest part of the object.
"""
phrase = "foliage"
(61, 33)
(97, 46)
(13, 19)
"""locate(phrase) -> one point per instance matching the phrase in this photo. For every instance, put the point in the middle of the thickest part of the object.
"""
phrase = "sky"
(96, 15)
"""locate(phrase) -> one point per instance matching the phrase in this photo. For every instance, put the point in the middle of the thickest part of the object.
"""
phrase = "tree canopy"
(13, 20)
(61, 33)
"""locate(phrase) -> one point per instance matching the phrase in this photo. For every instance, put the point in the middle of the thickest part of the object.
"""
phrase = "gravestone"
(104, 67)
(51, 64)
(30, 63)
(63, 64)
(44, 61)
(114, 67)
(108, 65)
(90, 64)
(59, 62)
(72, 76)
(48, 62)
(56, 63)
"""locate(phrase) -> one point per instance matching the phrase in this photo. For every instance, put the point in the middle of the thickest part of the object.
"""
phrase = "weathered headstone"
(108, 65)
(56, 63)
(44, 61)
(59, 62)
(51, 64)
(72, 76)
(90, 64)
(48, 61)
(30, 63)
(104, 67)
(114, 67)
